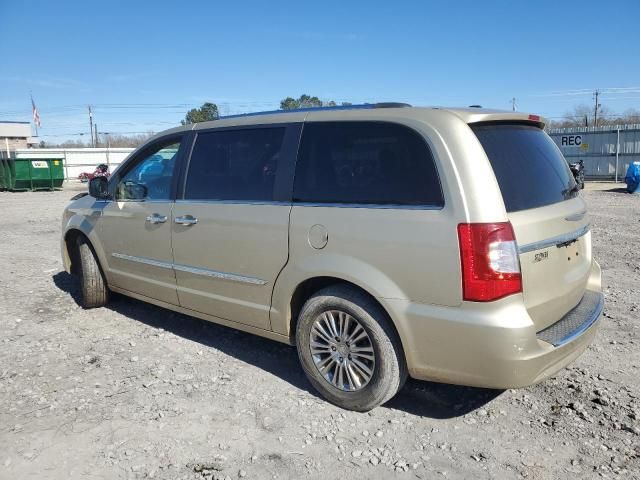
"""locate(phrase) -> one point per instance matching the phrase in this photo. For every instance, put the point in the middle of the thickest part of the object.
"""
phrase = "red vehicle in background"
(101, 170)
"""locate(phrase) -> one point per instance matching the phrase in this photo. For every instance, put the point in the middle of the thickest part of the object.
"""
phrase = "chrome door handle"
(186, 220)
(156, 218)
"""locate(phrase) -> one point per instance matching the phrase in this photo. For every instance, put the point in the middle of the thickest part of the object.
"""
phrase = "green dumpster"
(8, 179)
(36, 173)
(10, 173)
(4, 174)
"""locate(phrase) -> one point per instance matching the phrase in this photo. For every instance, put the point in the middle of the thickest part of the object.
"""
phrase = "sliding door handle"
(186, 220)
(156, 218)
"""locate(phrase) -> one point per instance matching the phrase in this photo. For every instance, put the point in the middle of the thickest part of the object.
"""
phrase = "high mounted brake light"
(490, 262)
(535, 118)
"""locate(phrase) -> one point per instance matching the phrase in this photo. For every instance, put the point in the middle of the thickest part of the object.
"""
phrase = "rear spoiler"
(530, 123)
(476, 115)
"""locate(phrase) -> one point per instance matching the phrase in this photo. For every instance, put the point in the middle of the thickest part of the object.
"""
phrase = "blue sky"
(143, 64)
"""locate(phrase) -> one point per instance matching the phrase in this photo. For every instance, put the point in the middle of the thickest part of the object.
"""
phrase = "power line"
(589, 91)
(79, 134)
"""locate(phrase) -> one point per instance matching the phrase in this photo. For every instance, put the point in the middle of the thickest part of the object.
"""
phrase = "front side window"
(365, 163)
(234, 165)
(150, 178)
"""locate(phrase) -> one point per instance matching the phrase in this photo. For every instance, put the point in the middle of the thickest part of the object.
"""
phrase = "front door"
(136, 225)
(230, 232)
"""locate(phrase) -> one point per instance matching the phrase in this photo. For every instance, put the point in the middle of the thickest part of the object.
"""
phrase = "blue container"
(632, 178)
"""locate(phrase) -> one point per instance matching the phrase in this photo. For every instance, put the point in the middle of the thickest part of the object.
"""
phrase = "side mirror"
(99, 188)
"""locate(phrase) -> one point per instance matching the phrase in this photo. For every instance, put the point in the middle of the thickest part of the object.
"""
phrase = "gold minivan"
(382, 240)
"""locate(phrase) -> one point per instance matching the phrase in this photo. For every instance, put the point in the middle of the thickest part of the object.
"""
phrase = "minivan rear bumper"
(494, 344)
(575, 322)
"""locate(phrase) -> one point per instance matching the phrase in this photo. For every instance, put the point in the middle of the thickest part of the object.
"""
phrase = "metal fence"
(606, 151)
(78, 160)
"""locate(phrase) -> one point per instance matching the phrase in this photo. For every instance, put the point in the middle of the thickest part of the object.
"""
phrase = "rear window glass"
(365, 163)
(529, 167)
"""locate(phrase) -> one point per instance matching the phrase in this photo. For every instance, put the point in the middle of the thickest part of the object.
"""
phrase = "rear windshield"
(530, 169)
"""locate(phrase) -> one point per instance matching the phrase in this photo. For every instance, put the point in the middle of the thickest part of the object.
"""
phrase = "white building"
(16, 135)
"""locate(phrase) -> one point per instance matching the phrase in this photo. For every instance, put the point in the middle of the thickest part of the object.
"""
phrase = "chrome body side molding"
(231, 277)
(145, 260)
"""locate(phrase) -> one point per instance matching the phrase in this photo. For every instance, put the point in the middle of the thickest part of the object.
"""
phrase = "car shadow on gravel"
(440, 400)
(425, 399)
(616, 190)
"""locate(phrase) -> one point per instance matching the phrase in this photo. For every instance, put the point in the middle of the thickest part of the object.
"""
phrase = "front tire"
(94, 288)
(349, 350)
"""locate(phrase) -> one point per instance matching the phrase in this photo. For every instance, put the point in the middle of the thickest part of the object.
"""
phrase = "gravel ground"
(135, 391)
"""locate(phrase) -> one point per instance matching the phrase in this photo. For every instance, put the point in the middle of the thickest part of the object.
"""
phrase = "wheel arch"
(71, 254)
(310, 286)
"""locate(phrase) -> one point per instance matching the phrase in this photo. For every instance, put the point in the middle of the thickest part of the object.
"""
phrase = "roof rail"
(322, 109)
(391, 105)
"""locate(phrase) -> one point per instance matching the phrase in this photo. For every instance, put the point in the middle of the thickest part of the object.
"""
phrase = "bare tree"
(583, 116)
(68, 144)
(114, 140)
(631, 115)
(119, 140)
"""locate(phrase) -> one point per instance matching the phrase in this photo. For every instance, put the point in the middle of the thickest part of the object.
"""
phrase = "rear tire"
(355, 389)
(94, 288)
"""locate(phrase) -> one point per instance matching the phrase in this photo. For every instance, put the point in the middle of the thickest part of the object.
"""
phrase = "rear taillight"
(490, 262)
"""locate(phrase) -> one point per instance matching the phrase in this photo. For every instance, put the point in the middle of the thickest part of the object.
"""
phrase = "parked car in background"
(101, 170)
(382, 240)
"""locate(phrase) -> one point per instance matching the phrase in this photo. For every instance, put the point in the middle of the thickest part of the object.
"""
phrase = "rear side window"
(365, 163)
(529, 167)
(234, 165)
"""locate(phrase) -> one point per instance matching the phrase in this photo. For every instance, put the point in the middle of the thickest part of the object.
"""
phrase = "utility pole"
(95, 133)
(595, 110)
(91, 125)
(513, 104)
(108, 146)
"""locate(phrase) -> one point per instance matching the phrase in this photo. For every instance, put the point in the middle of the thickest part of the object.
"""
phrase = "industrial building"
(15, 135)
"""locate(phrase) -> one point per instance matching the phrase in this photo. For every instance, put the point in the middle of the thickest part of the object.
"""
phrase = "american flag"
(36, 115)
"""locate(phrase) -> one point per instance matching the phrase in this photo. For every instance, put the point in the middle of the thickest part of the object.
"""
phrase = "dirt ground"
(135, 391)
